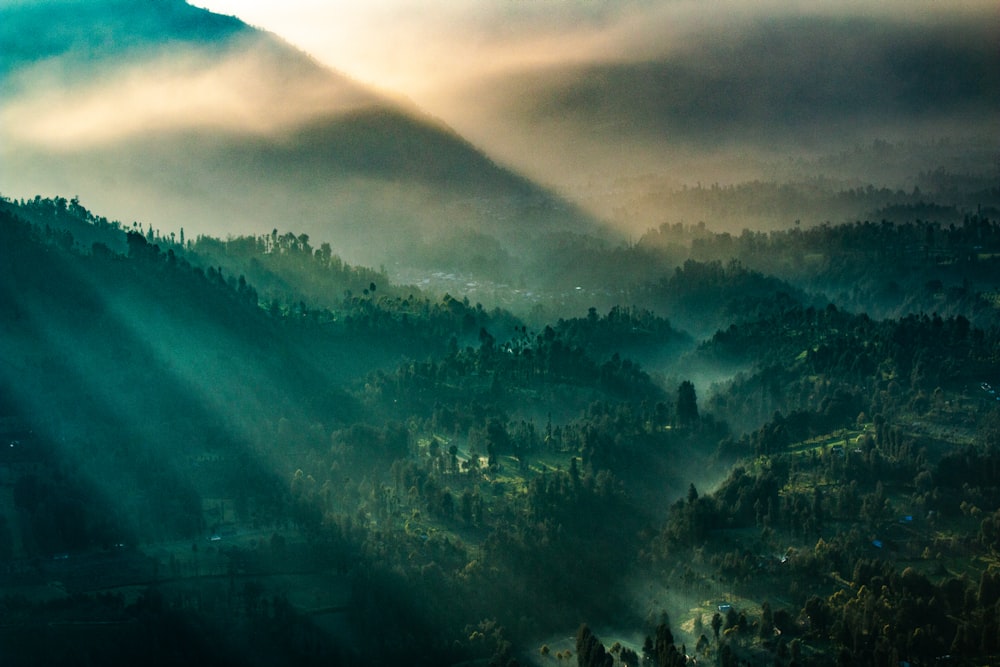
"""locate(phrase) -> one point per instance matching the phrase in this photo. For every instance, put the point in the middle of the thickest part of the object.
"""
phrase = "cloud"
(564, 92)
(252, 86)
(712, 98)
(425, 49)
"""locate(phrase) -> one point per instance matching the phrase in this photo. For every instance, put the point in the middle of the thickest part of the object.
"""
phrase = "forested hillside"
(766, 449)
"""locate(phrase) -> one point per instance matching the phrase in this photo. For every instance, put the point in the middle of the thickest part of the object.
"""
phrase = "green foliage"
(473, 485)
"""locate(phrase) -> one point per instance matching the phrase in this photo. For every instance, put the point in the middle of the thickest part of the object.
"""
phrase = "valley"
(665, 339)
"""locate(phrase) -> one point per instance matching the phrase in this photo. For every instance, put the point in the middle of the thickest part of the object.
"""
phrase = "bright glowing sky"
(413, 47)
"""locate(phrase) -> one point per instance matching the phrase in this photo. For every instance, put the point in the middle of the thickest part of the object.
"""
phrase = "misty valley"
(316, 465)
(662, 338)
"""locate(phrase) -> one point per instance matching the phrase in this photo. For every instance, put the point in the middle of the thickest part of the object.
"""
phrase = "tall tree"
(590, 651)
(687, 404)
(667, 654)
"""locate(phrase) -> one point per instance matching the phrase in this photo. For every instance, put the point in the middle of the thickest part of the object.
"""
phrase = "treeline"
(886, 269)
(835, 193)
(288, 269)
(882, 268)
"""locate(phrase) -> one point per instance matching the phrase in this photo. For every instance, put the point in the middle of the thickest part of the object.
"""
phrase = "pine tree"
(687, 404)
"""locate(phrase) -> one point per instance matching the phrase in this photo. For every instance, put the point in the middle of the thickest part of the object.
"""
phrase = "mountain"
(184, 118)
(103, 30)
(743, 97)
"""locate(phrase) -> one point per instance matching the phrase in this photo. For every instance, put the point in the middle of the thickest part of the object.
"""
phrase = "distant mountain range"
(179, 117)
(724, 98)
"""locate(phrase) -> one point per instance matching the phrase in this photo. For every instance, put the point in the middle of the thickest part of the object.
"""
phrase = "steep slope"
(179, 116)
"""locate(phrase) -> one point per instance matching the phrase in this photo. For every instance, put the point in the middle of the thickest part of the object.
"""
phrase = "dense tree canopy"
(223, 425)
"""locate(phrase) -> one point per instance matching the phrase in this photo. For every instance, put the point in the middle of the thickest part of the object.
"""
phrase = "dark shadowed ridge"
(376, 180)
(382, 141)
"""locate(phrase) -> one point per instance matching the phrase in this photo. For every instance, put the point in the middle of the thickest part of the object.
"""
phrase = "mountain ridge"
(235, 130)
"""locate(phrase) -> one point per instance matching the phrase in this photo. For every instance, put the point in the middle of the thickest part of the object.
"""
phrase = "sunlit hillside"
(639, 335)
